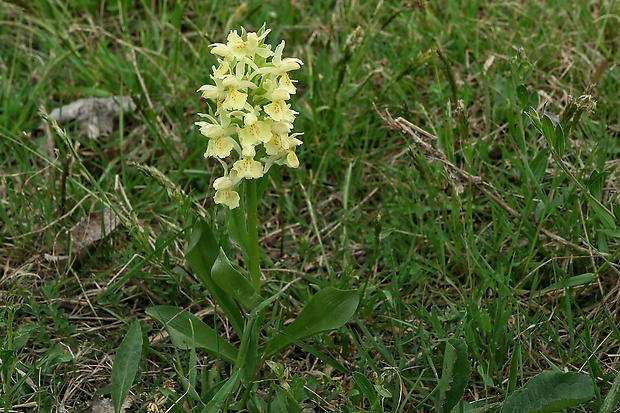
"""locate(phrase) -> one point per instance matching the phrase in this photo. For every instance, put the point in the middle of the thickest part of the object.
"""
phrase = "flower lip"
(227, 197)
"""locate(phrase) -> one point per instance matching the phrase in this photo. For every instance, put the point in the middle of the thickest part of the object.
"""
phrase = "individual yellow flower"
(213, 92)
(274, 92)
(280, 111)
(276, 144)
(222, 70)
(285, 83)
(289, 160)
(221, 142)
(280, 66)
(281, 149)
(224, 192)
(249, 47)
(235, 99)
(248, 168)
(281, 128)
(254, 134)
(219, 147)
(239, 48)
(235, 87)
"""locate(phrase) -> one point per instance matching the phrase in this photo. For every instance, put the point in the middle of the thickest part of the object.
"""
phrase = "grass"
(434, 256)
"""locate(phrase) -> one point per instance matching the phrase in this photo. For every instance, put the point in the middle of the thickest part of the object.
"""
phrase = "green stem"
(253, 248)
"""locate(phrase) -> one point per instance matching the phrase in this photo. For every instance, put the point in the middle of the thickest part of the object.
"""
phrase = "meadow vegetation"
(459, 170)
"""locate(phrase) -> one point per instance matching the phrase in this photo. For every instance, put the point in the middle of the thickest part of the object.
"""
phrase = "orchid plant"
(249, 127)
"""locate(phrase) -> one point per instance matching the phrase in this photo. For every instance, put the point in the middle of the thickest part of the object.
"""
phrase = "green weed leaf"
(560, 140)
(551, 392)
(233, 283)
(533, 115)
(328, 309)
(533, 100)
(126, 365)
(596, 183)
(522, 96)
(548, 131)
(610, 404)
(202, 252)
(454, 375)
(188, 331)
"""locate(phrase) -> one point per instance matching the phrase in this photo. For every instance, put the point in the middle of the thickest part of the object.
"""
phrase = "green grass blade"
(222, 394)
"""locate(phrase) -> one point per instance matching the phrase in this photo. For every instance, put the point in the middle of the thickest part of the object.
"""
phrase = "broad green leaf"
(233, 283)
(328, 309)
(454, 375)
(570, 282)
(126, 365)
(217, 402)
(551, 392)
(22, 335)
(236, 224)
(187, 331)
(201, 254)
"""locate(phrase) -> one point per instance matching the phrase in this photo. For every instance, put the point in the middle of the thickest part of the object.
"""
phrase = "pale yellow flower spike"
(251, 89)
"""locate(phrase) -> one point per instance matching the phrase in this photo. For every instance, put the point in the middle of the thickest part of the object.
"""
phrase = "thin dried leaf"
(96, 116)
(92, 228)
(106, 406)
(86, 233)
(488, 63)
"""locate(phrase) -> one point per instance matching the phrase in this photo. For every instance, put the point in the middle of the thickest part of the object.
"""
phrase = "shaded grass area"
(433, 256)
